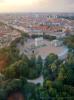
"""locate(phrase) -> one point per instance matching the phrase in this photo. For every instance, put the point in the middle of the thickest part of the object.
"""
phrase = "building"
(56, 43)
(39, 41)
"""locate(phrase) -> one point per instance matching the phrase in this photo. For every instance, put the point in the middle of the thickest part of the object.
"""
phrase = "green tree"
(33, 61)
(66, 74)
(17, 70)
(50, 59)
(41, 93)
(69, 41)
(39, 60)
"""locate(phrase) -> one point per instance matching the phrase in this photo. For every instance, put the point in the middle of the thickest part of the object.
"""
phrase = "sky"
(36, 6)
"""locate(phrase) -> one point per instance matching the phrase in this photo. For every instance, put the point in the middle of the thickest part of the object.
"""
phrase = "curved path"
(38, 80)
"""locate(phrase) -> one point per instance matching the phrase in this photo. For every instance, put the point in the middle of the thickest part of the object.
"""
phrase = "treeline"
(48, 37)
(67, 17)
(69, 41)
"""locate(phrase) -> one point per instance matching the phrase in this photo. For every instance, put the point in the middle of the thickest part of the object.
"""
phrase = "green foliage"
(66, 72)
(33, 61)
(41, 93)
(50, 59)
(47, 73)
(39, 61)
(35, 67)
(24, 35)
(58, 76)
(16, 70)
(29, 90)
(48, 37)
(69, 41)
(48, 84)
(51, 71)
(24, 67)
(11, 54)
(53, 67)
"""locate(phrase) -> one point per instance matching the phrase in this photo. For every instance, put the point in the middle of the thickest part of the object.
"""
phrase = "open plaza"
(43, 47)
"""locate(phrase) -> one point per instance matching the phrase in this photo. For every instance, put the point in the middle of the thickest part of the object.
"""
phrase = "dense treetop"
(58, 74)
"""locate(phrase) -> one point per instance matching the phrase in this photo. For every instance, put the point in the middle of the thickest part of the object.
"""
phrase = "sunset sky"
(36, 5)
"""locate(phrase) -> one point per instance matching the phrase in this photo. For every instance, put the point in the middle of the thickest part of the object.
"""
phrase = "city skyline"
(36, 6)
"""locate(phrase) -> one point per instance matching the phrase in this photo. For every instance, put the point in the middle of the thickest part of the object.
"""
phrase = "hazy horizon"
(11, 6)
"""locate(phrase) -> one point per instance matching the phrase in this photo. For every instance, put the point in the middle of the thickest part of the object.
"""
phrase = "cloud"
(37, 5)
(70, 1)
(2, 1)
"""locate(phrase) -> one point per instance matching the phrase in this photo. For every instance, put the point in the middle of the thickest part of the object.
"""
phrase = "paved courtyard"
(43, 50)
